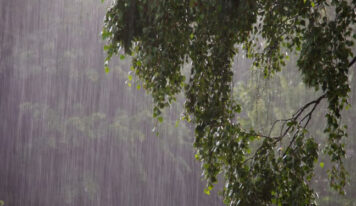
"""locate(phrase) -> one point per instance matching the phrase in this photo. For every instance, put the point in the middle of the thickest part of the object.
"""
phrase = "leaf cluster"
(162, 36)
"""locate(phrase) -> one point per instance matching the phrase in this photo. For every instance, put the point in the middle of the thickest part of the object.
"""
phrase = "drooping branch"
(169, 32)
(298, 113)
(295, 121)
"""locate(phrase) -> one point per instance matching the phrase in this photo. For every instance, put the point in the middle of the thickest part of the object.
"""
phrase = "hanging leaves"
(162, 36)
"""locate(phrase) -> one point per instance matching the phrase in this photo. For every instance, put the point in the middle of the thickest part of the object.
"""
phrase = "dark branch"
(294, 119)
(352, 62)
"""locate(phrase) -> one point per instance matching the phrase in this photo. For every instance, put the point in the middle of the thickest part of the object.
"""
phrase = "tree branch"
(352, 62)
(294, 120)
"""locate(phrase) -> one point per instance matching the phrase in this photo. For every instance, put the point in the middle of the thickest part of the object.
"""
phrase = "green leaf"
(321, 164)
(207, 191)
(138, 63)
(105, 34)
(191, 3)
(347, 107)
(106, 47)
(160, 119)
(122, 57)
(107, 69)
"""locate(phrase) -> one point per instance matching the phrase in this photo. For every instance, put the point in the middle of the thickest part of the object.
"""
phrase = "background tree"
(70, 134)
(162, 36)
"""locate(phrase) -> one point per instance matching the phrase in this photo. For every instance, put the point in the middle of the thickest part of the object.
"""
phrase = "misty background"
(72, 134)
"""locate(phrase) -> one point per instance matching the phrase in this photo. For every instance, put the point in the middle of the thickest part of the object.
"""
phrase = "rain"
(73, 134)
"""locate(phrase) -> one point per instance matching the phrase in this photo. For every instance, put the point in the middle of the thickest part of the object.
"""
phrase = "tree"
(162, 36)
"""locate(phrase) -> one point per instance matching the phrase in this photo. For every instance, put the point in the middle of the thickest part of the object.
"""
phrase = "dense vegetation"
(273, 167)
